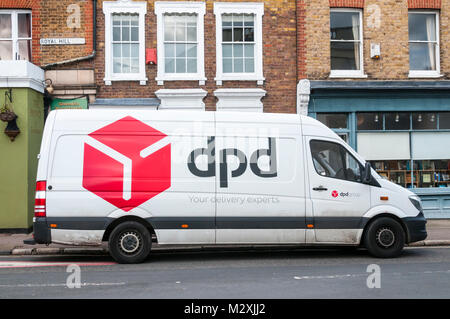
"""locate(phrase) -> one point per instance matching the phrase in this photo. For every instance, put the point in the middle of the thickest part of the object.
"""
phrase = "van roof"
(178, 115)
(310, 126)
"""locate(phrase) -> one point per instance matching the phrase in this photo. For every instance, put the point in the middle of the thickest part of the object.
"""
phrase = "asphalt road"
(302, 273)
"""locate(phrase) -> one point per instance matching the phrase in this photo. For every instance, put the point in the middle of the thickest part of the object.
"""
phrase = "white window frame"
(186, 7)
(15, 32)
(124, 7)
(432, 73)
(255, 8)
(351, 73)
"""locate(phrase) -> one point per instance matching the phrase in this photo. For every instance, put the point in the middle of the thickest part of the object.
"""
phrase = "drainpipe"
(94, 43)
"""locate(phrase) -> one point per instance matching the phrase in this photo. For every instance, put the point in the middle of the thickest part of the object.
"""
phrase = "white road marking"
(86, 284)
(365, 275)
(29, 264)
(329, 276)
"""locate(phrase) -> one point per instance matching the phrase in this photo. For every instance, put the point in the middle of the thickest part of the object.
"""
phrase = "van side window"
(333, 160)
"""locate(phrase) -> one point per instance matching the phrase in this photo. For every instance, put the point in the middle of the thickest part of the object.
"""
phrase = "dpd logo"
(126, 163)
(334, 194)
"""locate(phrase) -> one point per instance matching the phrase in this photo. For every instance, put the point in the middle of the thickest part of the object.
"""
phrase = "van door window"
(333, 160)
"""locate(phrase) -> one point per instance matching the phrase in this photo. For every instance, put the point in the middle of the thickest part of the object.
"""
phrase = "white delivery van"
(125, 177)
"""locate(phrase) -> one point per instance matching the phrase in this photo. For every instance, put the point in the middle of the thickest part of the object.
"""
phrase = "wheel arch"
(123, 219)
(388, 215)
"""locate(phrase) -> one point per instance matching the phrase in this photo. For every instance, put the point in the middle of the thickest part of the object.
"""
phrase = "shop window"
(444, 121)
(433, 173)
(333, 120)
(397, 121)
(15, 35)
(423, 44)
(370, 121)
(424, 121)
(346, 43)
(422, 174)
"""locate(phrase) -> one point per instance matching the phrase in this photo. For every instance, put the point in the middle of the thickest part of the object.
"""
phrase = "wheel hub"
(129, 242)
(385, 237)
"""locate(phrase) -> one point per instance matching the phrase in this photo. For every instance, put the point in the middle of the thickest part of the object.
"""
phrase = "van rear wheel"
(384, 238)
(130, 243)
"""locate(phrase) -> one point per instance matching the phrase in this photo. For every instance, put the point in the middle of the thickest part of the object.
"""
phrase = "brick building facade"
(377, 73)
(274, 90)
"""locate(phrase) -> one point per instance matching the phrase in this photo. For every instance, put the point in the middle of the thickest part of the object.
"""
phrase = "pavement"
(12, 244)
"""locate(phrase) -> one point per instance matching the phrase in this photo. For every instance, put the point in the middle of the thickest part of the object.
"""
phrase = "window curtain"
(431, 37)
(28, 42)
(355, 29)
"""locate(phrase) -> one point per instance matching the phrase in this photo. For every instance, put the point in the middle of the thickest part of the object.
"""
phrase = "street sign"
(62, 41)
(80, 103)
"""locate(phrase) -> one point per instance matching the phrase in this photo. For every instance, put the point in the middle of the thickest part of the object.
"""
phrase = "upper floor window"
(346, 43)
(424, 44)
(239, 41)
(15, 35)
(180, 34)
(125, 41)
(180, 43)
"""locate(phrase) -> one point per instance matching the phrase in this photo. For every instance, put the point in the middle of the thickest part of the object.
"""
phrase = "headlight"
(415, 200)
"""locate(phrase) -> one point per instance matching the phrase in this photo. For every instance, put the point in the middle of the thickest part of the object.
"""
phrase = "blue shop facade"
(401, 127)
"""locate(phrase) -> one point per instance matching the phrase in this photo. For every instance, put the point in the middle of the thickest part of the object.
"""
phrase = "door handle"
(320, 189)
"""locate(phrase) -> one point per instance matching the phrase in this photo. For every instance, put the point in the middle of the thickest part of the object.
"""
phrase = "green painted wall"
(18, 159)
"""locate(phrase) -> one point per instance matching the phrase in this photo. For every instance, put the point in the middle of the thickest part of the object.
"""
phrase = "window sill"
(425, 74)
(201, 79)
(142, 81)
(349, 75)
(239, 77)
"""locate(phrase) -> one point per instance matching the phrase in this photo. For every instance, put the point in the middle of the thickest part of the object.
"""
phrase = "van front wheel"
(384, 238)
(130, 243)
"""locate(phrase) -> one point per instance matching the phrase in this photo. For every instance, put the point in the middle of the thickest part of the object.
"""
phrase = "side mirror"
(367, 177)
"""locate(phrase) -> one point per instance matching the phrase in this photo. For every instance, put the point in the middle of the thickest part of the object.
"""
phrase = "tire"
(130, 243)
(384, 238)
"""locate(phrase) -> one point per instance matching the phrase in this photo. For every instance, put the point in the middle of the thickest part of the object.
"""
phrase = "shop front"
(402, 128)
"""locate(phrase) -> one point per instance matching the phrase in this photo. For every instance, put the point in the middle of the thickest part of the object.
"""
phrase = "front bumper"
(41, 231)
(415, 227)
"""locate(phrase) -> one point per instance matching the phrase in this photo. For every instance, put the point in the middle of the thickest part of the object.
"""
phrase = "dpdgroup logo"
(126, 163)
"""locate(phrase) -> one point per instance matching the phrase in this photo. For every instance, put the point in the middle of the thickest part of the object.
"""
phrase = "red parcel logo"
(126, 163)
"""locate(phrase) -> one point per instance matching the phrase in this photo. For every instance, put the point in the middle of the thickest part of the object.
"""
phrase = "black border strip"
(166, 223)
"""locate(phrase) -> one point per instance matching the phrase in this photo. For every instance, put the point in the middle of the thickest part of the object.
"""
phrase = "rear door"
(338, 195)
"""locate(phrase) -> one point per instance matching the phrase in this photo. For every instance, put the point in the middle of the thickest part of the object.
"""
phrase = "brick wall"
(279, 55)
(301, 39)
(55, 25)
(386, 23)
(424, 4)
(347, 3)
